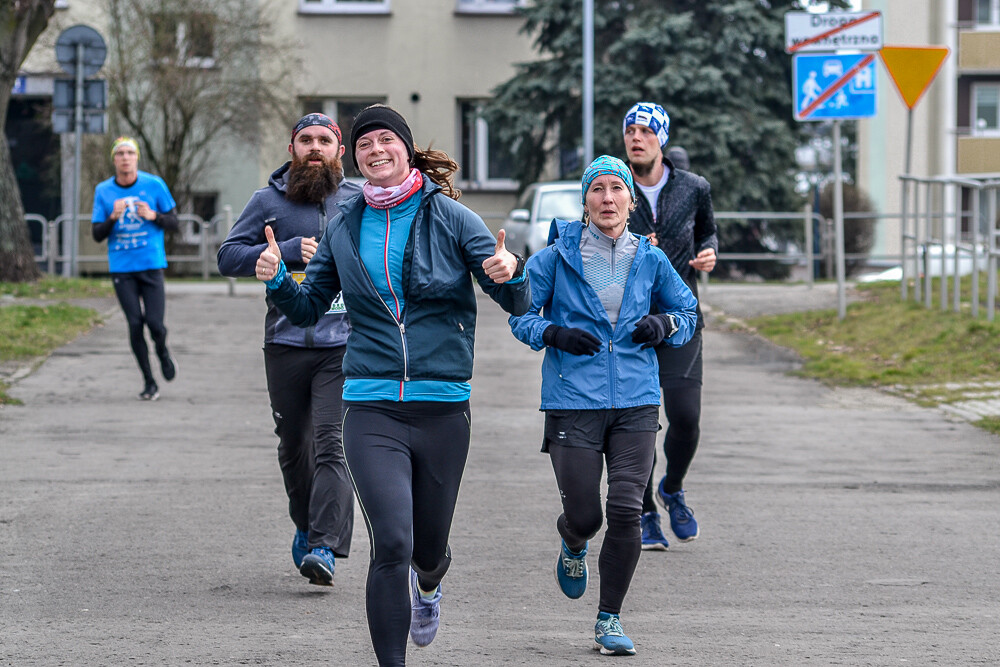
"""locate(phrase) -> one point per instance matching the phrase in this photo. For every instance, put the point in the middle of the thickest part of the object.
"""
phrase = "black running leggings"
(680, 380)
(578, 474)
(142, 299)
(406, 462)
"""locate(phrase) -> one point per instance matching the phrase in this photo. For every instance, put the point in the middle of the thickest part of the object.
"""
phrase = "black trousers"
(681, 381)
(305, 386)
(406, 461)
(141, 296)
(578, 470)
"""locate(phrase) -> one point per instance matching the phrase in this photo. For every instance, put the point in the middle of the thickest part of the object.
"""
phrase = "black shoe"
(150, 393)
(168, 366)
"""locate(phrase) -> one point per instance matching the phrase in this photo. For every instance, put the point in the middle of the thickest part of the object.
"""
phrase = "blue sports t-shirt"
(134, 244)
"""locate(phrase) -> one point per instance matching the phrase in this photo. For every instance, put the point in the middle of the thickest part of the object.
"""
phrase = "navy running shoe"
(682, 522)
(425, 614)
(609, 638)
(318, 565)
(300, 547)
(571, 571)
(150, 392)
(167, 365)
(652, 535)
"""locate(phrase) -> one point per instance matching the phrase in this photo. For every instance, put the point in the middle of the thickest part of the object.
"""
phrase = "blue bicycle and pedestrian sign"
(834, 86)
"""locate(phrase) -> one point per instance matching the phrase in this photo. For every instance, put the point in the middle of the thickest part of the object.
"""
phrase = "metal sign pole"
(74, 225)
(838, 221)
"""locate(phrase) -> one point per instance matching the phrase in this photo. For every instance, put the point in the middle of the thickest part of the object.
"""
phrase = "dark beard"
(309, 184)
(642, 170)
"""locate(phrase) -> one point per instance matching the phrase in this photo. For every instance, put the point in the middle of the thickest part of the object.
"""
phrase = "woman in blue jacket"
(401, 253)
(591, 293)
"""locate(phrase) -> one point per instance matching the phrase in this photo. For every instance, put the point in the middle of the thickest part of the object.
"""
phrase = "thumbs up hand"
(501, 266)
(267, 263)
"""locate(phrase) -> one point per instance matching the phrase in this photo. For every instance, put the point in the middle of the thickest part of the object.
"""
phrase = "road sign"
(94, 49)
(20, 85)
(95, 121)
(832, 31)
(834, 86)
(912, 68)
(94, 94)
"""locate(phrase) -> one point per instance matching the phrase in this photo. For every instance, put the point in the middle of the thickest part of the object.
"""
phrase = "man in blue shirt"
(132, 210)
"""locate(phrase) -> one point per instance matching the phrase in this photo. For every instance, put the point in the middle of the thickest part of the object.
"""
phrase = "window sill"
(345, 11)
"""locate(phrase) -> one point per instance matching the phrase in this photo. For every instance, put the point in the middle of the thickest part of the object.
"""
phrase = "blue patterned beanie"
(607, 165)
(651, 115)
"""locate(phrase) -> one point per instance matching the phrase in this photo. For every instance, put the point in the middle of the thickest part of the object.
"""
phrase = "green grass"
(32, 331)
(883, 342)
(57, 289)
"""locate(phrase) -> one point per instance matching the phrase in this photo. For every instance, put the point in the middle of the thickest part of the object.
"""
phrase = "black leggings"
(142, 299)
(680, 380)
(406, 462)
(578, 473)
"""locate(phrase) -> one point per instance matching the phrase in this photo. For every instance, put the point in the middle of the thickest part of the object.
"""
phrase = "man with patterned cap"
(674, 210)
(132, 209)
(305, 379)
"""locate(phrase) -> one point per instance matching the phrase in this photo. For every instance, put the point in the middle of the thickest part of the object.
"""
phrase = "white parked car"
(527, 226)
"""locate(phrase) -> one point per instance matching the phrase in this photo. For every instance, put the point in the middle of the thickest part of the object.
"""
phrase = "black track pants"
(578, 473)
(305, 386)
(406, 462)
(680, 380)
(141, 296)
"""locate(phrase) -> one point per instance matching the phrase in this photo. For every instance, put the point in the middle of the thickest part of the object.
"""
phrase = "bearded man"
(305, 380)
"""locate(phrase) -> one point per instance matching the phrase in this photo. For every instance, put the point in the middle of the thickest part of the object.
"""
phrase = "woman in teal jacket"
(402, 254)
(591, 293)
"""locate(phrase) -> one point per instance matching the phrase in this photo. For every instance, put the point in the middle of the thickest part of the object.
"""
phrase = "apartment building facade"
(956, 124)
(436, 61)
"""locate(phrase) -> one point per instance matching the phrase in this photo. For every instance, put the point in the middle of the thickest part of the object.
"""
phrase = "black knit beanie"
(380, 117)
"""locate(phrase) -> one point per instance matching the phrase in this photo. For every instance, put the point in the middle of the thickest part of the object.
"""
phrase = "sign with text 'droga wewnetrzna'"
(832, 31)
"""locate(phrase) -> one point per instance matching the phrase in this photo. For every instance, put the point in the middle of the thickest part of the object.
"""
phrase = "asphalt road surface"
(838, 526)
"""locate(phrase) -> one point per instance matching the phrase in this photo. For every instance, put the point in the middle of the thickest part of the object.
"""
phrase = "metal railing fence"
(954, 218)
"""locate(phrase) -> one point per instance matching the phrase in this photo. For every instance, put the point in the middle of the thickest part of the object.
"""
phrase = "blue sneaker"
(571, 571)
(609, 638)
(318, 565)
(652, 535)
(425, 615)
(300, 547)
(682, 522)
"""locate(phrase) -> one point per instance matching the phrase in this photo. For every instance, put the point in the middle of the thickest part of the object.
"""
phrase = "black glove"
(652, 330)
(572, 340)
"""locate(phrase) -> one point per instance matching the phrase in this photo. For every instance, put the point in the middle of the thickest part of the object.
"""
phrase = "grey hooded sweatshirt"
(290, 221)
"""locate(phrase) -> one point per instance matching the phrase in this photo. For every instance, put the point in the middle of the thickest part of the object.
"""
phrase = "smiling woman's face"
(382, 158)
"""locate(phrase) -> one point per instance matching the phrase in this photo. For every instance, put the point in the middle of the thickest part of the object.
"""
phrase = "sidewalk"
(839, 526)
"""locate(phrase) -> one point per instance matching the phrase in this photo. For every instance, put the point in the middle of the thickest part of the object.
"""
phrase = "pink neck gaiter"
(378, 197)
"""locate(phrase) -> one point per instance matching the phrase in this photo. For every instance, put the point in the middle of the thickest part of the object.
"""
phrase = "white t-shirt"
(652, 192)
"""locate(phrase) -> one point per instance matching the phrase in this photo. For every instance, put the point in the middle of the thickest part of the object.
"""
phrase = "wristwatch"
(519, 269)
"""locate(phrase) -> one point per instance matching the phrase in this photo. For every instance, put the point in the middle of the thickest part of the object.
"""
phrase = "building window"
(988, 13)
(185, 40)
(485, 160)
(986, 109)
(344, 111)
(344, 6)
(488, 6)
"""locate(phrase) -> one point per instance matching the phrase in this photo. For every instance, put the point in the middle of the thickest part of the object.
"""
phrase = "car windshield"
(563, 204)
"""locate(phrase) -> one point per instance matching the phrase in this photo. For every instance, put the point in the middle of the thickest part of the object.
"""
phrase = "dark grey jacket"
(685, 223)
(290, 221)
